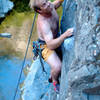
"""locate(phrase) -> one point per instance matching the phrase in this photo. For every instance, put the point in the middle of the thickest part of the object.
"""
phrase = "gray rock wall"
(83, 75)
(36, 85)
(5, 6)
(68, 21)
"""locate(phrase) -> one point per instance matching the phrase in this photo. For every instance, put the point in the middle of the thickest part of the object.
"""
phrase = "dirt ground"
(16, 45)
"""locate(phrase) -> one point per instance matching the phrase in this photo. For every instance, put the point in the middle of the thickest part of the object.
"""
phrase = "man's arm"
(48, 36)
(55, 43)
(57, 3)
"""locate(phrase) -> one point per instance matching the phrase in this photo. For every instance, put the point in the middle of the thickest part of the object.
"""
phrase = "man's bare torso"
(52, 22)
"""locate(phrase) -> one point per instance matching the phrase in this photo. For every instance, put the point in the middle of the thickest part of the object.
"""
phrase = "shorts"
(46, 52)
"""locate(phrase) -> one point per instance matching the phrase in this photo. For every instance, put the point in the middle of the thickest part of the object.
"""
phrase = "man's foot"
(56, 87)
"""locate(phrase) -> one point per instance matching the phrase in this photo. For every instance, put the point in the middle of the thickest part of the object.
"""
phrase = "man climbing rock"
(47, 28)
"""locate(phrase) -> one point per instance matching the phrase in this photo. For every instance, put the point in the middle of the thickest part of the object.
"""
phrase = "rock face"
(36, 85)
(80, 76)
(83, 71)
(5, 6)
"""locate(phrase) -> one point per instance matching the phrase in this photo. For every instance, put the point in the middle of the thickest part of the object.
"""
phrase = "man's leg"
(55, 64)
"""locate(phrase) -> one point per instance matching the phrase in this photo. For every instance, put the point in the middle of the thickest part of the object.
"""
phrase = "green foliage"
(52, 0)
(14, 24)
(14, 19)
(59, 11)
(21, 5)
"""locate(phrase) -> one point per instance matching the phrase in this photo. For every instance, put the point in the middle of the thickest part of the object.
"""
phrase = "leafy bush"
(21, 5)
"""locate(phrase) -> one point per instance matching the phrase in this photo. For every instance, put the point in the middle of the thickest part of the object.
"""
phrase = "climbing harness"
(37, 50)
(14, 98)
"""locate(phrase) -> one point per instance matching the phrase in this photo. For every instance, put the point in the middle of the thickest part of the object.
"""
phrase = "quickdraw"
(37, 50)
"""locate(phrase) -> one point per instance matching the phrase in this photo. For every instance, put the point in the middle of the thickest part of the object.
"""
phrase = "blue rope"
(25, 56)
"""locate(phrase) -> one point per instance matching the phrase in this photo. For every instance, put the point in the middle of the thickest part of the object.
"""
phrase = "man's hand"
(61, 0)
(57, 3)
(69, 32)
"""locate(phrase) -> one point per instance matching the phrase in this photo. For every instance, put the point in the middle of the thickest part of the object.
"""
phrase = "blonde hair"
(34, 4)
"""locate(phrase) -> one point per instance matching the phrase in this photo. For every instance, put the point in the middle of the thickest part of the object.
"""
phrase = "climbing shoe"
(50, 80)
(56, 87)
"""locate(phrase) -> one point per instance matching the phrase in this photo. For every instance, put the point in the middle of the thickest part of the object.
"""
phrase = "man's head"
(34, 3)
(41, 6)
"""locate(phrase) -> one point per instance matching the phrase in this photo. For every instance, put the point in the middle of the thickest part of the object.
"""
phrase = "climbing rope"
(40, 56)
(25, 56)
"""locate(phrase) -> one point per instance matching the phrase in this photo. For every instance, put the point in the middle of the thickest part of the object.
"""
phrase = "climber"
(47, 28)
